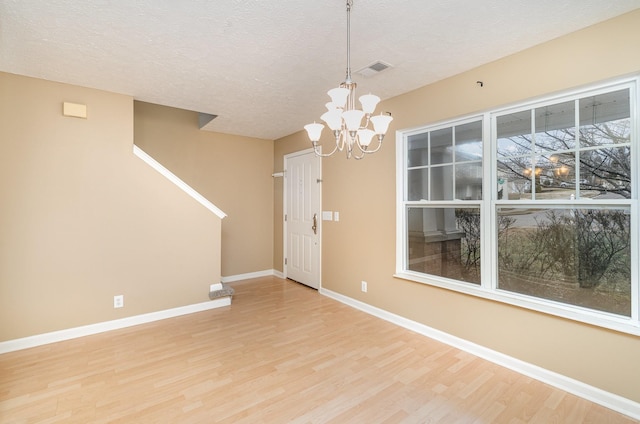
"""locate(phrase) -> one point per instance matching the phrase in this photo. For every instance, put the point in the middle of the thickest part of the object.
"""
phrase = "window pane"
(442, 182)
(559, 234)
(602, 172)
(445, 242)
(562, 175)
(605, 119)
(514, 178)
(544, 177)
(442, 146)
(579, 257)
(418, 184)
(555, 127)
(469, 181)
(417, 150)
(607, 171)
(469, 142)
(514, 134)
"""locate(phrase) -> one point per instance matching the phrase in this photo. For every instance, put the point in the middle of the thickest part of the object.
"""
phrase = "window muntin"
(445, 163)
(568, 165)
(539, 157)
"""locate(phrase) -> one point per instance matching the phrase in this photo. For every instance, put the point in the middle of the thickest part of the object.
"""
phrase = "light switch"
(327, 216)
(336, 216)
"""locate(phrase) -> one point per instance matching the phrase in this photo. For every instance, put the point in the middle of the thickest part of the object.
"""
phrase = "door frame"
(285, 194)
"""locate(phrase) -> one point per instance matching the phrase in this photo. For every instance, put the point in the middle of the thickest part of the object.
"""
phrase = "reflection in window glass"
(469, 181)
(418, 184)
(545, 177)
(607, 170)
(605, 123)
(442, 146)
(560, 168)
(581, 257)
(514, 134)
(442, 182)
(417, 150)
(445, 242)
(605, 119)
(469, 141)
(555, 127)
(559, 235)
(445, 164)
(514, 178)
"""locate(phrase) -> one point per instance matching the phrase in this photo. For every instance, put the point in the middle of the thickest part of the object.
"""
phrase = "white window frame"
(489, 204)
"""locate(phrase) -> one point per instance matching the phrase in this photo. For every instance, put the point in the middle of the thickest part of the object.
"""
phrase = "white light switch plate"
(327, 216)
(336, 216)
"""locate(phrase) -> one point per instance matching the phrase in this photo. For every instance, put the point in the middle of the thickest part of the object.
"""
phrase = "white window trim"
(488, 288)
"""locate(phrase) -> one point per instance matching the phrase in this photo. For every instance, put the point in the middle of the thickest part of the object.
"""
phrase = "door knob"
(314, 227)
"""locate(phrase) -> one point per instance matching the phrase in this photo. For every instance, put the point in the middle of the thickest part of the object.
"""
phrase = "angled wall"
(83, 219)
(231, 171)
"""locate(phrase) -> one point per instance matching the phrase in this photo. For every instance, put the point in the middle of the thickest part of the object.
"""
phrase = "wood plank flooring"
(281, 353)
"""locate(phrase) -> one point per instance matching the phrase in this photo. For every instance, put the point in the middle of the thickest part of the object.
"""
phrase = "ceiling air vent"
(373, 69)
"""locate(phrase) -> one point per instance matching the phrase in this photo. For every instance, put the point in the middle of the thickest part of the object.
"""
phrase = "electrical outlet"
(363, 287)
(118, 301)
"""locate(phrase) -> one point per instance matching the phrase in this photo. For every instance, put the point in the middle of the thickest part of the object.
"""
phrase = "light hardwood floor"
(281, 353)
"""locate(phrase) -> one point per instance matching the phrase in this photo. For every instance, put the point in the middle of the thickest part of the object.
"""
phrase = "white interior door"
(302, 218)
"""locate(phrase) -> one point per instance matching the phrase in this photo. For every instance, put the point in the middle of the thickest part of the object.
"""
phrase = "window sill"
(601, 319)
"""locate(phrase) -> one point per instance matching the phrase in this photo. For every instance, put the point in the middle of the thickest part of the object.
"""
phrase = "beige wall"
(232, 172)
(82, 219)
(361, 246)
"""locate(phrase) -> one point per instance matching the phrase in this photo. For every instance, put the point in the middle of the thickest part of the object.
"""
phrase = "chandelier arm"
(324, 155)
(366, 122)
(362, 155)
(340, 139)
(349, 151)
(366, 150)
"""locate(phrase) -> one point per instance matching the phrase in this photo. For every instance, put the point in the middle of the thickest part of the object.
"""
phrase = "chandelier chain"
(349, 6)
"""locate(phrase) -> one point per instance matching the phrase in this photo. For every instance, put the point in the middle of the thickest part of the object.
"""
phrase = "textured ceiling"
(264, 66)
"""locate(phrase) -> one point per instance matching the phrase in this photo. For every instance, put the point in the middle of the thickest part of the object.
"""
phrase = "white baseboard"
(609, 400)
(101, 327)
(247, 276)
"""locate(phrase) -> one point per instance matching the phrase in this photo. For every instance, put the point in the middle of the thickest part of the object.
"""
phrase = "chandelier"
(345, 120)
